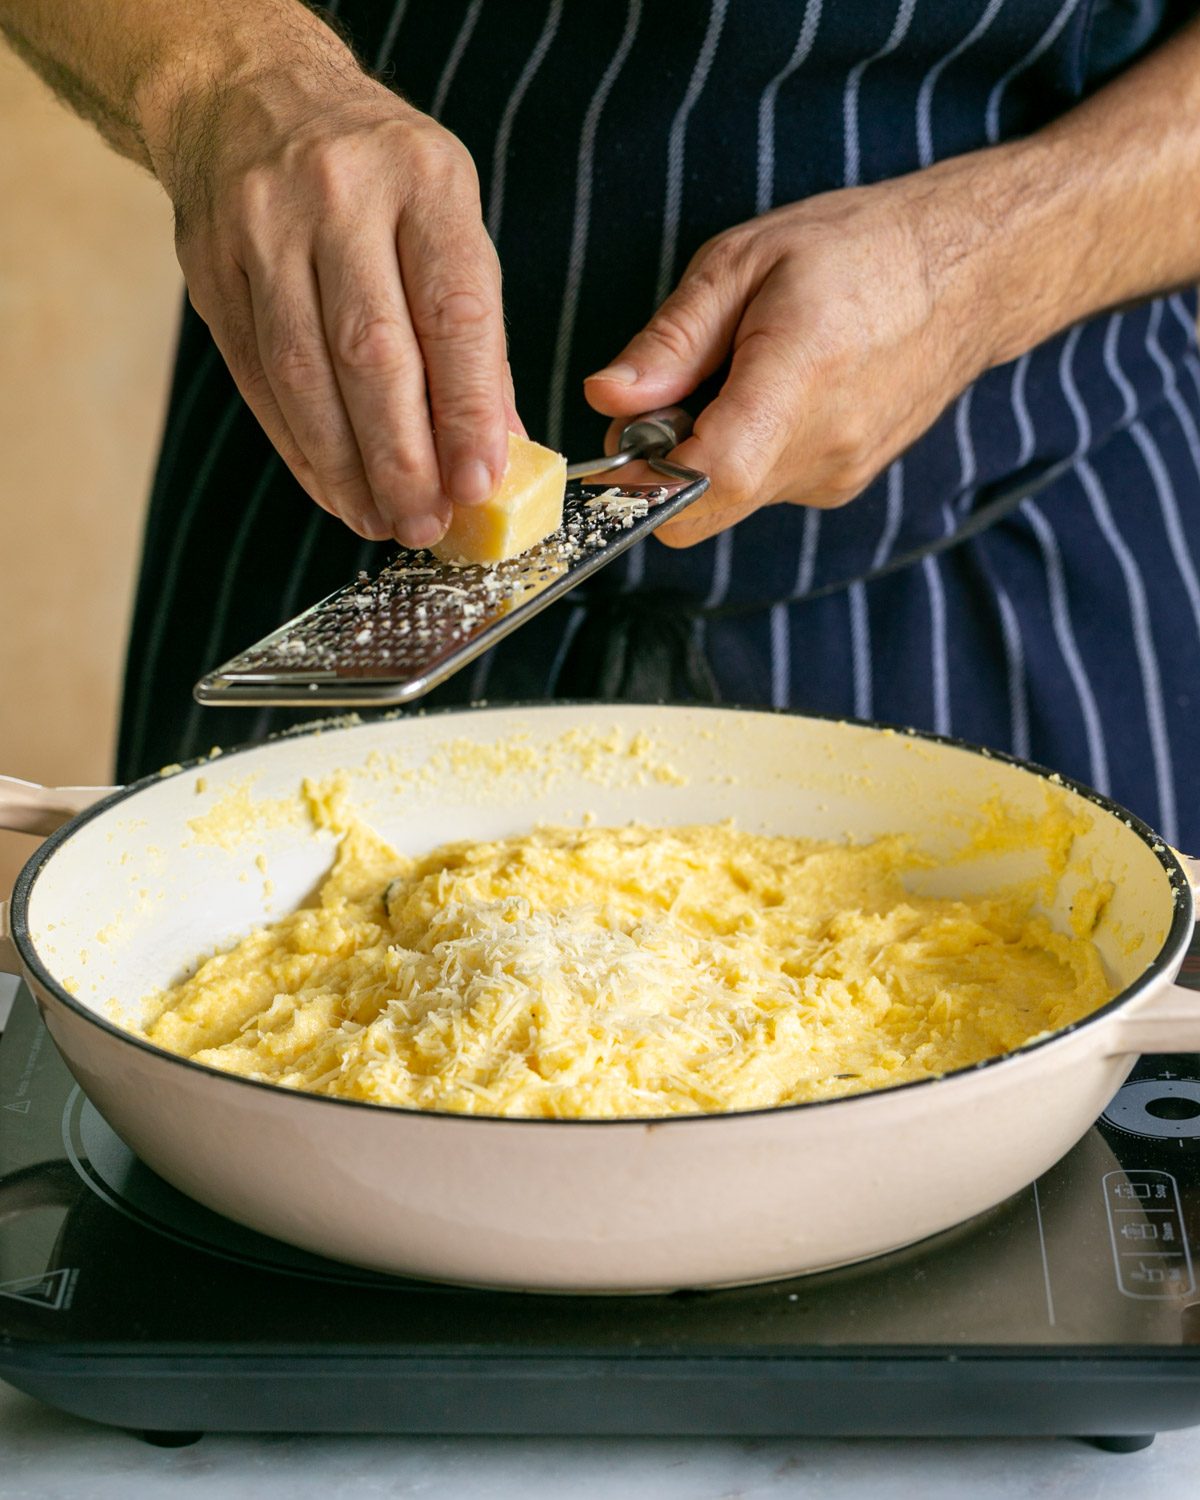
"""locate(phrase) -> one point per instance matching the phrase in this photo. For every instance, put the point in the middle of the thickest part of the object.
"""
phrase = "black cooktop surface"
(1071, 1309)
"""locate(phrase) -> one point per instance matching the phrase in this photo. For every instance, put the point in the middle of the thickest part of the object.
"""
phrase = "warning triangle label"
(21, 1107)
(51, 1290)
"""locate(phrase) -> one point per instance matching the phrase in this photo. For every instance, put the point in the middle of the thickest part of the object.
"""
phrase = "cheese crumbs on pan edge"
(599, 972)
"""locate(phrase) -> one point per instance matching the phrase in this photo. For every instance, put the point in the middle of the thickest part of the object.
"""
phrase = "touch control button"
(1150, 1249)
(1165, 1108)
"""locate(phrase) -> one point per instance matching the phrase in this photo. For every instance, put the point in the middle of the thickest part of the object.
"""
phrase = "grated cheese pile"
(598, 972)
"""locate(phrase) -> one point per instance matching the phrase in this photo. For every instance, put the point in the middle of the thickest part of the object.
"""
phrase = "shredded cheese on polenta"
(636, 971)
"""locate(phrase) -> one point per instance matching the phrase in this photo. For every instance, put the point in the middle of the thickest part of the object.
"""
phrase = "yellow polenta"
(627, 971)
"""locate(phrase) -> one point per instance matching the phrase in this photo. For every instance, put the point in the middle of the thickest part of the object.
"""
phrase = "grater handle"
(657, 432)
(650, 438)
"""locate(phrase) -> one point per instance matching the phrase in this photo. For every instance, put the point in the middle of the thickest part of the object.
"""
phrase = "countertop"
(47, 1456)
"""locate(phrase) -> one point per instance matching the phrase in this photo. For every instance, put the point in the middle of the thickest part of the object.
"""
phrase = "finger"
(738, 441)
(379, 373)
(683, 343)
(511, 413)
(231, 324)
(295, 359)
(452, 282)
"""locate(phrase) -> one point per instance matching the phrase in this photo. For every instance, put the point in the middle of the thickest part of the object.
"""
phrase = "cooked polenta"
(635, 971)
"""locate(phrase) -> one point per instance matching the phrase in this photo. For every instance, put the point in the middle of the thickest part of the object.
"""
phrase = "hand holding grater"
(389, 639)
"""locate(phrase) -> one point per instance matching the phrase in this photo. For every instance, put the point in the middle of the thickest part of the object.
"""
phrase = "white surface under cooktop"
(47, 1456)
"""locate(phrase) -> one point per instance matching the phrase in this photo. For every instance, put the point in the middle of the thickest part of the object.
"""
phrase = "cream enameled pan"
(129, 893)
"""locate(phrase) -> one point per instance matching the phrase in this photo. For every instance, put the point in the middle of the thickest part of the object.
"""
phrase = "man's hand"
(332, 239)
(849, 322)
(852, 320)
(331, 236)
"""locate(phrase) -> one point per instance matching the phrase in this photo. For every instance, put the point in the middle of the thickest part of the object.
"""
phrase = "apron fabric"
(611, 141)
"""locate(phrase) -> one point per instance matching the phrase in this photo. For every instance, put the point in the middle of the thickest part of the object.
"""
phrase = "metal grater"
(388, 639)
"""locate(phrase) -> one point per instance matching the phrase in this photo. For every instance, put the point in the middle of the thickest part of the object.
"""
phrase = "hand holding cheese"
(331, 236)
(523, 511)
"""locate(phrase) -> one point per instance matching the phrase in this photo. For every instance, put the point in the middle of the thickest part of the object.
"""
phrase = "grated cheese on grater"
(600, 972)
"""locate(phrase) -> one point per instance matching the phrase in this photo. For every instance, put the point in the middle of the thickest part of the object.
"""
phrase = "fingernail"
(471, 482)
(619, 374)
(420, 531)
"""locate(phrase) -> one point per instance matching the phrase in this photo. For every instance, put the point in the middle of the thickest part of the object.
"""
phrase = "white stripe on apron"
(581, 224)
(676, 145)
(504, 130)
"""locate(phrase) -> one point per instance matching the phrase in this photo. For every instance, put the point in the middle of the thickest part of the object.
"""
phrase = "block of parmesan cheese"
(525, 509)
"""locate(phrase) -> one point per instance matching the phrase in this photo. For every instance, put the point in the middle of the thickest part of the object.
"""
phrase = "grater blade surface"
(390, 638)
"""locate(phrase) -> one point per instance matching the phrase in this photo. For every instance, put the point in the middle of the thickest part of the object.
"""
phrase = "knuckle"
(370, 342)
(850, 440)
(296, 461)
(470, 408)
(215, 285)
(332, 168)
(852, 453)
(199, 296)
(737, 478)
(250, 375)
(239, 349)
(719, 256)
(439, 160)
(340, 472)
(705, 253)
(248, 201)
(673, 331)
(293, 359)
(853, 477)
(453, 311)
(293, 365)
(399, 476)
(764, 422)
(714, 253)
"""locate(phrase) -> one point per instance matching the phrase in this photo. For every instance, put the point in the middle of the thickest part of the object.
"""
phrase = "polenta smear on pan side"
(635, 971)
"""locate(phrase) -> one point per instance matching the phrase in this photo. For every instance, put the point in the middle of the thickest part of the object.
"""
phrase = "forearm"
(1097, 210)
(137, 69)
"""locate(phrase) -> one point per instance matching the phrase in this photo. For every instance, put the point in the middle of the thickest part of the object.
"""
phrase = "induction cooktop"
(1071, 1309)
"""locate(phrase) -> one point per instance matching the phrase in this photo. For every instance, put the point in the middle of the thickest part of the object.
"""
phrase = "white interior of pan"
(136, 897)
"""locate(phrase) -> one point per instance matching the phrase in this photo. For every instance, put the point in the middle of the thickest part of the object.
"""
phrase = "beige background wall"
(89, 292)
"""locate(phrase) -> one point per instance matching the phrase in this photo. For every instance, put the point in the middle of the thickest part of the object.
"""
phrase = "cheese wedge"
(525, 509)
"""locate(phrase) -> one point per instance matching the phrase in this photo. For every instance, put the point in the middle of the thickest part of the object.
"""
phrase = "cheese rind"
(525, 509)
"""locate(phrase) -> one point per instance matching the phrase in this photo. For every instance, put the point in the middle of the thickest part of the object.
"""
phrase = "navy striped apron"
(611, 140)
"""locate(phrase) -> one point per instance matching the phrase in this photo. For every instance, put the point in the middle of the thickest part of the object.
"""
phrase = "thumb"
(683, 343)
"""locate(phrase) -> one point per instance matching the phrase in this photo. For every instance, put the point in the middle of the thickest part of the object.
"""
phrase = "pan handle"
(10, 963)
(26, 807)
(1170, 1020)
